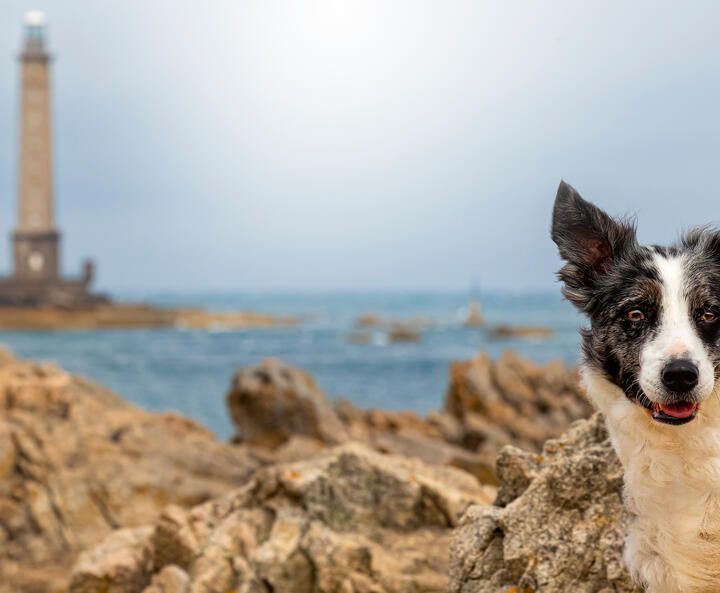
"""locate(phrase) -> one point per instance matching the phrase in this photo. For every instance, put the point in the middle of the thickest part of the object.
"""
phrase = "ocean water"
(189, 371)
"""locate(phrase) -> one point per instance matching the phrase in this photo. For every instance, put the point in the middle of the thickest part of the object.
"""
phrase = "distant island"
(118, 315)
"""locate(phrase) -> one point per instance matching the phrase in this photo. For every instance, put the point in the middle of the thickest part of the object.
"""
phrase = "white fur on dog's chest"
(672, 487)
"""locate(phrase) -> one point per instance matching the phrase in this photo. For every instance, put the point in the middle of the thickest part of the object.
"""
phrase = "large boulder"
(274, 401)
(558, 523)
(350, 520)
(77, 462)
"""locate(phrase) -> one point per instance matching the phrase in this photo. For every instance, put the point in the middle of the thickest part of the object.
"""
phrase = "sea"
(189, 371)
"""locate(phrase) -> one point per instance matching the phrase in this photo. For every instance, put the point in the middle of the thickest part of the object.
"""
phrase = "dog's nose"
(680, 376)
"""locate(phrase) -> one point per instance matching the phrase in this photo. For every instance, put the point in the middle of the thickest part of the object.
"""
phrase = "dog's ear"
(588, 239)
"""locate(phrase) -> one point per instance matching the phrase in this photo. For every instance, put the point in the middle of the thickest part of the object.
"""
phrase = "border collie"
(651, 360)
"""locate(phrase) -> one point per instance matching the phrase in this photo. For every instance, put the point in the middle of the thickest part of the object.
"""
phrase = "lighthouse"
(35, 240)
(36, 278)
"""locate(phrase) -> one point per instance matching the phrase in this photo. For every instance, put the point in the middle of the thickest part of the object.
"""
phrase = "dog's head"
(654, 311)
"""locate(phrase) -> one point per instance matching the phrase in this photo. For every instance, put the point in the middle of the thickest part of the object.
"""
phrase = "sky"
(362, 145)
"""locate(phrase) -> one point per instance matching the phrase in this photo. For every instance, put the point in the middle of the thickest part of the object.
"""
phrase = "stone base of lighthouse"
(36, 279)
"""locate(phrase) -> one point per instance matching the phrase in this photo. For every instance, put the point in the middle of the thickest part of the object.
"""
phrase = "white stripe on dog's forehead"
(672, 277)
(676, 331)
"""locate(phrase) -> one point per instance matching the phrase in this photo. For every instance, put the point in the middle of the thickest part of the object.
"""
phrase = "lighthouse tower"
(36, 278)
(35, 240)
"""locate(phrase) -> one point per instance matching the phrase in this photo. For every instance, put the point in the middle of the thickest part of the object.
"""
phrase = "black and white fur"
(651, 360)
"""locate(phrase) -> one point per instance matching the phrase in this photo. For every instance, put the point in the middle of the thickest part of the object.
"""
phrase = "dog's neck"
(672, 487)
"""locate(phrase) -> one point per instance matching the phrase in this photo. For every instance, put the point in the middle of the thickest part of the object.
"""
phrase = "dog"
(651, 363)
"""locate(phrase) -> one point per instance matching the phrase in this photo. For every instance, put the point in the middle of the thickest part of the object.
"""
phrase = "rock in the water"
(401, 332)
(561, 525)
(349, 520)
(475, 318)
(77, 462)
(360, 338)
(522, 331)
(369, 320)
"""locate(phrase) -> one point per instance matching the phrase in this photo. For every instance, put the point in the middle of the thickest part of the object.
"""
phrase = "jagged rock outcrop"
(513, 401)
(320, 503)
(350, 520)
(279, 407)
(77, 462)
(488, 405)
(557, 526)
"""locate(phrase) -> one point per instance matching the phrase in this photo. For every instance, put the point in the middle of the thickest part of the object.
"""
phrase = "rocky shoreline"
(97, 495)
(119, 315)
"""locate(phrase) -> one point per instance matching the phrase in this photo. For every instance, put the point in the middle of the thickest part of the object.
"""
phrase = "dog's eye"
(708, 316)
(636, 315)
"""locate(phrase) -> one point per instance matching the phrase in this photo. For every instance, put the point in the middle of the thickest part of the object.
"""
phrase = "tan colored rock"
(273, 401)
(121, 563)
(171, 579)
(558, 523)
(369, 320)
(134, 315)
(173, 539)
(361, 338)
(489, 405)
(348, 520)
(402, 332)
(408, 435)
(77, 462)
(475, 317)
(522, 331)
(280, 408)
(512, 400)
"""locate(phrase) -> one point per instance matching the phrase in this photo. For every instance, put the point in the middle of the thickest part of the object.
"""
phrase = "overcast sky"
(237, 145)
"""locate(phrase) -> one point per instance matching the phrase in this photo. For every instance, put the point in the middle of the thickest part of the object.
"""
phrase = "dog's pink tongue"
(679, 410)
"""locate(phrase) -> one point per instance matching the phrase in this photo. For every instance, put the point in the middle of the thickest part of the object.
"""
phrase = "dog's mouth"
(676, 413)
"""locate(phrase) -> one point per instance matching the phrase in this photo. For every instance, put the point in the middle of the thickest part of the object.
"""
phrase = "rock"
(522, 331)
(202, 319)
(369, 320)
(558, 524)
(280, 408)
(77, 462)
(360, 338)
(512, 401)
(372, 320)
(106, 315)
(408, 435)
(348, 520)
(475, 317)
(399, 332)
(173, 540)
(120, 564)
(171, 579)
(489, 404)
(273, 401)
